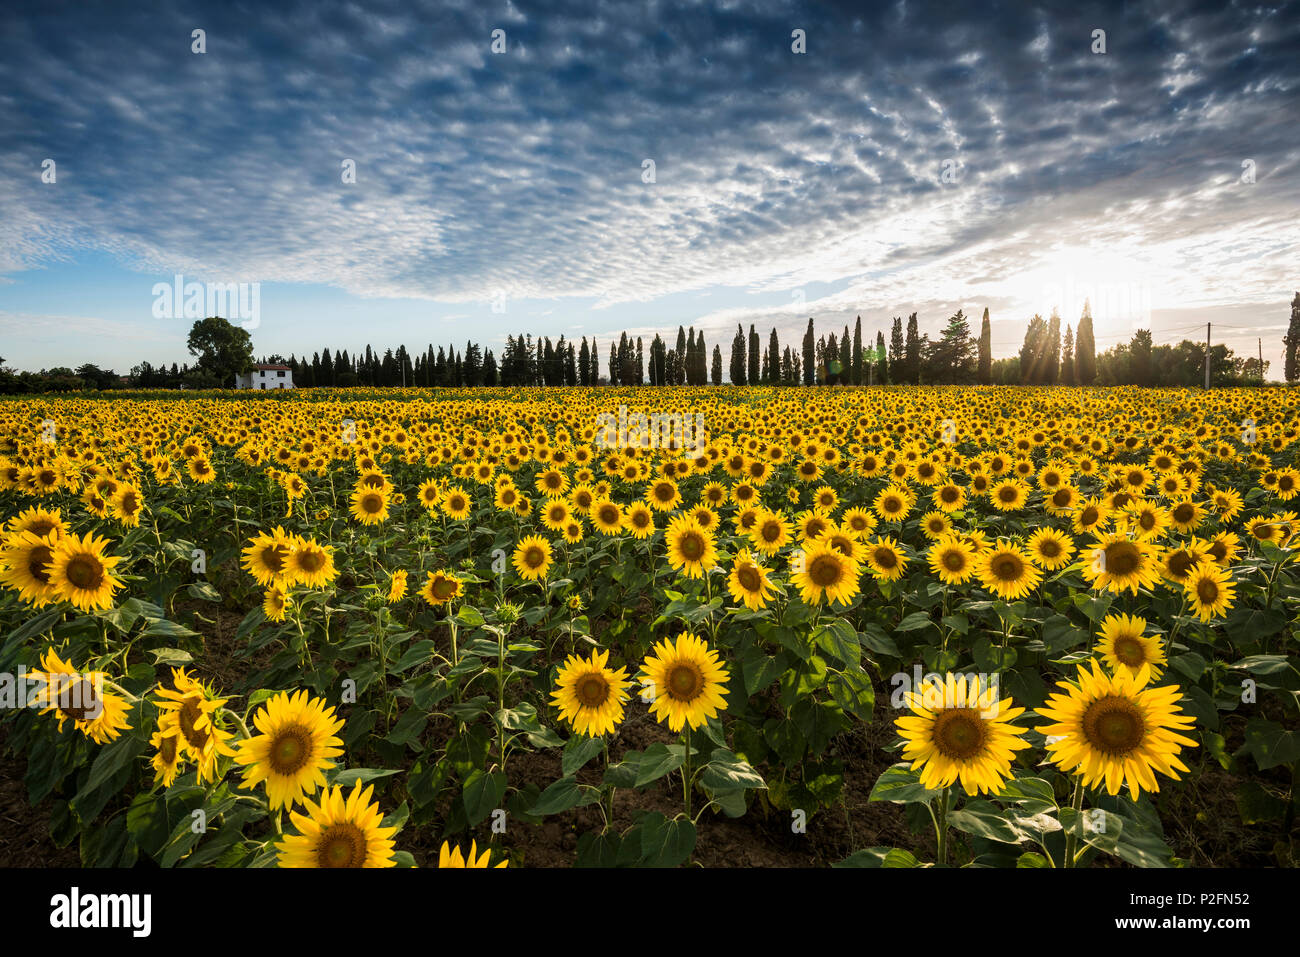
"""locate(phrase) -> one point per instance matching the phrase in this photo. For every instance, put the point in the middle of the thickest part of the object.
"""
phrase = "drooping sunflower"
(1118, 563)
(1116, 730)
(440, 588)
(276, 603)
(589, 694)
(298, 737)
(690, 547)
(166, 760)
(823, 573)
(79, 697)
(1123, 645)
(80, 571)
(339, 832)
(952, 560)
(1209, 590)
(1008, 572)
(960, 731)
(688, 682)
(452, 857)
(532, 558)
(188, 712)
(748, 582)
(397, 586)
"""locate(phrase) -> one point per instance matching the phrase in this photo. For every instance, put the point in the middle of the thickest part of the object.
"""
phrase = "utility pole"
(1260, 343)
(1207, 355)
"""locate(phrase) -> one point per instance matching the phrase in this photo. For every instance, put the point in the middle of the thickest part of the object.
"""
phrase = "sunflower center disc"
(748, 578)
(84, 572)
(592, 691)
(1129, 650)
(1121, 559)
(341, 845)
(290, 750)
(1113, 725)
(959, 733)
(684, 683)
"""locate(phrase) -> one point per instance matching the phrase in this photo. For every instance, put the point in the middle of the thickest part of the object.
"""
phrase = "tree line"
(956, 357)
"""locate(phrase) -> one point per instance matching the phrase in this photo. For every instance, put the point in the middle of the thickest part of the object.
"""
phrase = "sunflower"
(397, 586)
(589, 694)
(24, 567)
(555, 514)
(690, 547)
(1210, 591)
(639, 520)
(1008, 571)
(552, 483)
(1090, 517)
(452, 857)
(187, 712)
(38, 521)
(748, 582)
(1227, 502)
(770, 532)
(81, 573)
(1123, 645)
(1049, 549)
(1178, 562)
(456, 504)
(127, 504)
(606, 516)
(266, 558)
(297, 739)
(960, 731)
(952, 560)
(1008, 495)
(369, 505)
(78, 697)
(688, 682)
(1147, 519)
(1186, 516)
(1223, 548)
(441, 588)
(339, 832)
(893, 504)
(663, 495)
(310, 564)
(825, 573)
(1117, 563)
(201, 470)
(1116, 730)
(275, 603)
(859, 522)
(573, 532)
(886, 560)
(532, 558)
(166, 761)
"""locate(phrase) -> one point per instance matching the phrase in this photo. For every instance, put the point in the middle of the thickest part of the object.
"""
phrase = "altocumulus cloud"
(521, 174)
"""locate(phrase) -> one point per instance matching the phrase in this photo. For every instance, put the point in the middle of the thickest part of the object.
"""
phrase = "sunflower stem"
(941, 831)
(1072, 835)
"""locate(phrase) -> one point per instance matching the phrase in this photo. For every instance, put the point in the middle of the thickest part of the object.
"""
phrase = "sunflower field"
(643, 627)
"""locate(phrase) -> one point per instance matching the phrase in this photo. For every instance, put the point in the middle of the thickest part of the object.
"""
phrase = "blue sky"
(786, 184)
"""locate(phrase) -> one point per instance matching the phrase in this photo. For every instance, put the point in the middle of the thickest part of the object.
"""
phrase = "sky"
(415, 173)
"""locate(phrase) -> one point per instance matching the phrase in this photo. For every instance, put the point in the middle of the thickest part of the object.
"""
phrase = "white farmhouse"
(266, 377)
